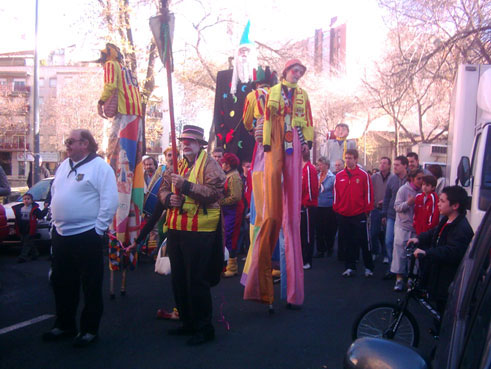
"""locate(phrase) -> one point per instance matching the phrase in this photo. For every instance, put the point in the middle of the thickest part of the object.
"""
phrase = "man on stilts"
(287, 132)
(253, 118)
(124, 150)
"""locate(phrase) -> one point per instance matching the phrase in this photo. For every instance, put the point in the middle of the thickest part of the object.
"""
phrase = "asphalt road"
(317, 336)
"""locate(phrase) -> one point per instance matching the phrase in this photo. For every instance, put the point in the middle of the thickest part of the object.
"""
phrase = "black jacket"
(444, 253)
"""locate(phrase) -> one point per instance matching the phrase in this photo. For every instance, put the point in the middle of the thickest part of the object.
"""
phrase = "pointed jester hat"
(245, 60)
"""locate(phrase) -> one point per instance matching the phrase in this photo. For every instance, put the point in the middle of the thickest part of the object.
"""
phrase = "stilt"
(112, 296)
(123, 282)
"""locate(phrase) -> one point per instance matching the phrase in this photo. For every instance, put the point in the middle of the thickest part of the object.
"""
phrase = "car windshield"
(39, 191)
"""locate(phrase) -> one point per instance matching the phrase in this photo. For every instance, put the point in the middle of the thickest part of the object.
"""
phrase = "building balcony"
(15, 90)
(14, 143)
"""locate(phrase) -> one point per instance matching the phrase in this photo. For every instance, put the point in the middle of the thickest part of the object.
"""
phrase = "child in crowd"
(26, 216)
(426, 213)
(403, 228)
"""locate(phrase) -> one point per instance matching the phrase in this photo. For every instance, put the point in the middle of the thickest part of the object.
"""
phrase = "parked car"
(40, 193)
(4, 229)
(465, 335)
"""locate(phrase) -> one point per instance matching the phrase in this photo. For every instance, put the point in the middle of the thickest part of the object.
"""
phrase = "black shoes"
(181, 331)
(388, 276)
(201, 337)
(84, 340)
(197, 337)
(56, 334)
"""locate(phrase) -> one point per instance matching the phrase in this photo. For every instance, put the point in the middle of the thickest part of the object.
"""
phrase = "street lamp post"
(35, 103)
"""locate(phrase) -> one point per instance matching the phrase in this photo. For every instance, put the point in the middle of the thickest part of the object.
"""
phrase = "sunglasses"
(188, 141)
(71, 141)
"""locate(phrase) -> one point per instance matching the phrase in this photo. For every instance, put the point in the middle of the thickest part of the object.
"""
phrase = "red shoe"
(162, 314)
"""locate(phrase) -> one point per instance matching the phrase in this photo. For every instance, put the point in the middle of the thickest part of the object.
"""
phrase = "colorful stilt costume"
(287, 126)
(253, 119)
(125, 152)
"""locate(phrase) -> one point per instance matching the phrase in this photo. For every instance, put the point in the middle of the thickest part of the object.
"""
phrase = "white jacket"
(85, 199)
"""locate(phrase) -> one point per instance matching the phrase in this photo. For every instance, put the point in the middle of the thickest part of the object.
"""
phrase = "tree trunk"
(396, 146)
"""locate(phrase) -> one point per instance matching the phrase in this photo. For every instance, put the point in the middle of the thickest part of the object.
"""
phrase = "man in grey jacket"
(403, 228)
(379, 182)
(388, 212)
(4, 183)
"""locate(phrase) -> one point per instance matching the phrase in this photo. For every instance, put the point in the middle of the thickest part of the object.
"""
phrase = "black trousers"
(78, 261)
(189, 254)
(307, 233)
(326, 228)
(353, 235)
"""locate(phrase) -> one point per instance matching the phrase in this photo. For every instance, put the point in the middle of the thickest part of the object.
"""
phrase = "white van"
(469, 138)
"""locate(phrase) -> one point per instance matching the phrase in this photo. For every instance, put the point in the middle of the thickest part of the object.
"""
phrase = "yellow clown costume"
(287, 127)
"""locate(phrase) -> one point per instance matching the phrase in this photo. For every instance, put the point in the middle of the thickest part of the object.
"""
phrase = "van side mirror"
(464, 172)
(376, 353)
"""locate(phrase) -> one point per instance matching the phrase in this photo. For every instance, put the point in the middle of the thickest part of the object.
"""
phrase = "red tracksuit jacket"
(426, 213)
(310, 186)
(353, 192)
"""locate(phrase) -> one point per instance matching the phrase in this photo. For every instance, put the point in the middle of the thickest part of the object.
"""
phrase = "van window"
(485, 193)
(486, 174)
(474, 165)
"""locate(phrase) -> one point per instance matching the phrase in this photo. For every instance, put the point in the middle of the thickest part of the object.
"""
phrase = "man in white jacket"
(84, 201)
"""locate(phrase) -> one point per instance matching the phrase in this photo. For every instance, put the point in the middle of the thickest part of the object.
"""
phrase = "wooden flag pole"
(168, 67)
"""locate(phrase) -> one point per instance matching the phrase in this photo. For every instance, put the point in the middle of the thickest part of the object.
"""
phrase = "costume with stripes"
(125, 150)
(253, 118)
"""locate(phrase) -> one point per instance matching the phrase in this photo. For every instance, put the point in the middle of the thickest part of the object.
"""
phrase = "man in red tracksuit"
(353, 201)
(310, 195)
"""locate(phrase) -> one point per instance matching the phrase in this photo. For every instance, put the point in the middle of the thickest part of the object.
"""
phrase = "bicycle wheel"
(378, 320)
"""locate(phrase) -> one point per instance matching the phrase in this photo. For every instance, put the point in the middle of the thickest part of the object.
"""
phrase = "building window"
(3, 81)
(19, 84)
(52, 82)
(22, 168)
(41, 82)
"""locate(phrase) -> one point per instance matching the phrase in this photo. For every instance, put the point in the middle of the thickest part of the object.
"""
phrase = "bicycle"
(394, 321)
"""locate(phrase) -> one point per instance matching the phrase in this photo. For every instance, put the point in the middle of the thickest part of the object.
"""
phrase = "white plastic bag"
(162, 264)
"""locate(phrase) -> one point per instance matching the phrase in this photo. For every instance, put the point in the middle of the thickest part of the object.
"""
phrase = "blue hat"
(245, 35)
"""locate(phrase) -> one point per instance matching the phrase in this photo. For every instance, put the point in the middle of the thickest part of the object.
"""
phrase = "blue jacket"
(326, 192)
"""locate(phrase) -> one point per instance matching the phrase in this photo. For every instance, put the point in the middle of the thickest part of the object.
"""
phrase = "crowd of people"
(279, 210)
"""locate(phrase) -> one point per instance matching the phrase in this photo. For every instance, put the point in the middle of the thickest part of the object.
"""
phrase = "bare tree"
(73, 107)
(116, 17)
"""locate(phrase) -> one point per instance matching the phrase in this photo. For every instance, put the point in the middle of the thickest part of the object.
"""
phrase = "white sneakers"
(399, 286)
(348, 273)
(368, 272)
(307, 266)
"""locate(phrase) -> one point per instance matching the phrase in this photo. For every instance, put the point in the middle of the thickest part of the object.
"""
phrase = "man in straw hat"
(192, 197)
(287, 133)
